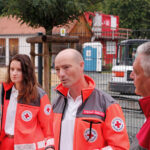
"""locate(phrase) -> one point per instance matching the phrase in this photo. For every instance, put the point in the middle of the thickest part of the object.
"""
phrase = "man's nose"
(132, 75)
(61, 73)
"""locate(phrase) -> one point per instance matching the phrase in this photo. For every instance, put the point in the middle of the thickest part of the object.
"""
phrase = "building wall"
(82, 29)
(22, 46)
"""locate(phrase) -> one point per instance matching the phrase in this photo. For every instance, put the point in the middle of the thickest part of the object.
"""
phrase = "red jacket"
(142, 140)
(33, 122)
(99, 120)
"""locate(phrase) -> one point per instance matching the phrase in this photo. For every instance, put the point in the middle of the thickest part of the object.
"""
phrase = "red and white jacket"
(142, 139)
(33, 123)
(99, 123)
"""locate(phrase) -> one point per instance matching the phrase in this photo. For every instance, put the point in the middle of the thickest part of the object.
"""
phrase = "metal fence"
(129, 102)
(102, 77)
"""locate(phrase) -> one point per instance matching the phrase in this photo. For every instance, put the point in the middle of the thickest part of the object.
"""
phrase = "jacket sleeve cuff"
(49, 147)
(107, 148)
(50, 142)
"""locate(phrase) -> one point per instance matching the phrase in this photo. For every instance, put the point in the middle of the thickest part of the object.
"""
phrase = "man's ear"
(82, 64)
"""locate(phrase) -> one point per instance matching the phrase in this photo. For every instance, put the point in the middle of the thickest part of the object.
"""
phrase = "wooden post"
(46, 68)
(33, 53)
(73, 45)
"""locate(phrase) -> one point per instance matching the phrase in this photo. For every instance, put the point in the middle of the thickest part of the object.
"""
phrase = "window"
(13, 47)
(110, 47)
(2, 52)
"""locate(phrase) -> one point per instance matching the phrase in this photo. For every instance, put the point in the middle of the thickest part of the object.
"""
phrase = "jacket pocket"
(89, 133)
(90, 130)
(26, 117)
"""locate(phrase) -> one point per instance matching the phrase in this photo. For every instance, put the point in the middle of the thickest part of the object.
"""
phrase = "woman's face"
(16, 72)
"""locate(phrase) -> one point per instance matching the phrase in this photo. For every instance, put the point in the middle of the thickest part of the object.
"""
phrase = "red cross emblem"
(26, 115)
(90, 136)
(117, 124)
(47, 109)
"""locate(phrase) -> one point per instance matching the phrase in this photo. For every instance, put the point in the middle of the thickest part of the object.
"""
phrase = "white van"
(121, 81)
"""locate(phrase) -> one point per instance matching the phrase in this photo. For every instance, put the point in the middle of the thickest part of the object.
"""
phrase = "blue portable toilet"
(92, 55)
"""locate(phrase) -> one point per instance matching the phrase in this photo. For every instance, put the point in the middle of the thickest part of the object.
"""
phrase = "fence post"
(32, 53)
(46, 68)
(40, 69)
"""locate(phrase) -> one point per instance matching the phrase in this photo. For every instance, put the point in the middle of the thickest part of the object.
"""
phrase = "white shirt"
(67, 126)
(11, 112)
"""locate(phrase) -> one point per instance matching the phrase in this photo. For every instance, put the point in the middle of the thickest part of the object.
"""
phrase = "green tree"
(46, 13)
(133, 14)
(2, 4)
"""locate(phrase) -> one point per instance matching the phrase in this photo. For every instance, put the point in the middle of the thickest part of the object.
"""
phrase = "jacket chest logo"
(26, 115)
(90, 135)
(47, 109)
(117, 124)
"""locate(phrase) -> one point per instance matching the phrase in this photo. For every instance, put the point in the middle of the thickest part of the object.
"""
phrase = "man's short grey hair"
(144, 50)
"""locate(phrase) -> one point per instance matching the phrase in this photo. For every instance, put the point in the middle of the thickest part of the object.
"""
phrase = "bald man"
(85, 118)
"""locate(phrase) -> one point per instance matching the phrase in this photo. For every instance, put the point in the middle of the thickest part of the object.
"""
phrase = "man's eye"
(66, 67)
(57, 69)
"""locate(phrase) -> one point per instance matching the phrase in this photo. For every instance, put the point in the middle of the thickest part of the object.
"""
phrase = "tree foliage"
(133, 14)
(46, 13)
(2, 5)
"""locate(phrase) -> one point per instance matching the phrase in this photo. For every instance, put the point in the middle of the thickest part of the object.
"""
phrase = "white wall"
(24, 47)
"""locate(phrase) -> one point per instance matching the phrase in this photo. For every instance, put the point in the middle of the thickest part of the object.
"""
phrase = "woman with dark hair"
(26, 110)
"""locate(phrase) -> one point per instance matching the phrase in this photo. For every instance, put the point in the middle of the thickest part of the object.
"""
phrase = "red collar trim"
(62, 89)
(85, 92)
(8, 86)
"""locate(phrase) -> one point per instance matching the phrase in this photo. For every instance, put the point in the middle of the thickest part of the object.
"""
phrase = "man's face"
(141, 82)
(68, 70)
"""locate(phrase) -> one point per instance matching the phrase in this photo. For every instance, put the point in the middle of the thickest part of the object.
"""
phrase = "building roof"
(68, 27)
(12, 26)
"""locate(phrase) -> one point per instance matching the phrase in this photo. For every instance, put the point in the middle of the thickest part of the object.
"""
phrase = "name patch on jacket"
(93, 112)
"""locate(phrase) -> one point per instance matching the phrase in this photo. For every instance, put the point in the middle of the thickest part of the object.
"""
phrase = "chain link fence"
(99, 61)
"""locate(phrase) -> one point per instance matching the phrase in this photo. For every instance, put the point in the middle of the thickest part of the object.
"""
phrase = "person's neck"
(75, 91)
(17, 86)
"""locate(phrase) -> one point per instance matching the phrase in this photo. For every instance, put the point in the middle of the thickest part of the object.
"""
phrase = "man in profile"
(85, 118)
(141, 77)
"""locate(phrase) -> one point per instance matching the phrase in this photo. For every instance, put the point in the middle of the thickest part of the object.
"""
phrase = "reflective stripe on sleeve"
(107, 148)
(50, 142)
(25, 146)
(41, 144)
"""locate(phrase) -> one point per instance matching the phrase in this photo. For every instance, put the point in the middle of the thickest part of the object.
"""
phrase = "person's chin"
(137, 92)
(64, 84)
(14, 81)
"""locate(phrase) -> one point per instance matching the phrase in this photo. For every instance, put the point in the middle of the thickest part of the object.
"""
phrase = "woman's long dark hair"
(28, 92)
